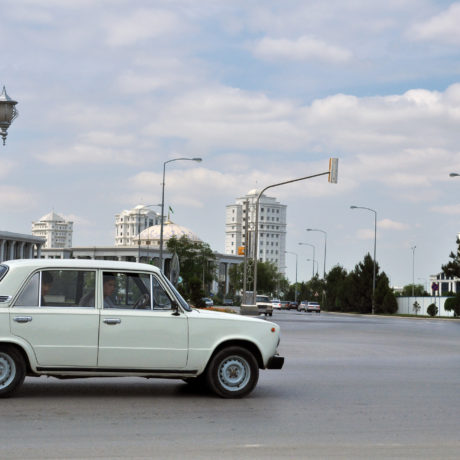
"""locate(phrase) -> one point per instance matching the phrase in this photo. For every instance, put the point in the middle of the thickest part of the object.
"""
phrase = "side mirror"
(175, 308)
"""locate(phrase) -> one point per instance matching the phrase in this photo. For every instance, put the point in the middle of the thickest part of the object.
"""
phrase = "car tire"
(12, 371)
(233, 372)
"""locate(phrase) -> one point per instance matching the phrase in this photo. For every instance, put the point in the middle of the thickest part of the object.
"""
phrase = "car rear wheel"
(233, 372)
(12, 371)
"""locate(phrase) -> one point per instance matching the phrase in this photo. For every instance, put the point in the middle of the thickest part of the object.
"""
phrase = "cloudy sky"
(264, 91)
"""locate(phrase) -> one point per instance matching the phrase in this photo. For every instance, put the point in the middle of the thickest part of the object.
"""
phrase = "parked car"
(302, 306)
(292, 305)
(228, 302)
(208, 302)
(264, 305)
(73, 318)
(276, 303)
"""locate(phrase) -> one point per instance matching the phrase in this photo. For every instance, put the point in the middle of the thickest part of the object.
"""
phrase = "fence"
(406, 305)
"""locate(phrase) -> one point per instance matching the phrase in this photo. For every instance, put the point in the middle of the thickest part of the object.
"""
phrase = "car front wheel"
(12, 371)
(233, 372)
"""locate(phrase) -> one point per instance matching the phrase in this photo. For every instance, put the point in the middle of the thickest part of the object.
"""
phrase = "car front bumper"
(275, 362)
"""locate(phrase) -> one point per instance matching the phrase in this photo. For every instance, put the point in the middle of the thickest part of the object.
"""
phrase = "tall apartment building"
(55, 229)
(272, 228)
(129, 223)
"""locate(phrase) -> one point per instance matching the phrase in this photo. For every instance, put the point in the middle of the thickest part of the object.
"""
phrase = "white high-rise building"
(129, 223)
(55, 229)
(272, 228)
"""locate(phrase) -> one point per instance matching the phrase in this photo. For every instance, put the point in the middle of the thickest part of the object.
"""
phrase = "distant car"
(284, 305)
(276, 304)
(208, 302)
(264, 305)
(309, 307)
(228, 302)
(292, 305)
(313, 307)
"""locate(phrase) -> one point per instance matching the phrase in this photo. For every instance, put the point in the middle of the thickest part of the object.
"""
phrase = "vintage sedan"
(86, 318)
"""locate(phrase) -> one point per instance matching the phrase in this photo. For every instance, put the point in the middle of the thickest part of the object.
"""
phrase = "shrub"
(453, 304)
(432, 309)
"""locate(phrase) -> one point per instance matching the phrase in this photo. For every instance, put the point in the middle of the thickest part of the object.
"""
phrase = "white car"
(89, 318)
(276, 303)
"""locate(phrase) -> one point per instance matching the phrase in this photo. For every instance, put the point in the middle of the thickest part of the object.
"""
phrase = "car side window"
(128, 290)
(161, 300)
(67, 288)
(30, 294)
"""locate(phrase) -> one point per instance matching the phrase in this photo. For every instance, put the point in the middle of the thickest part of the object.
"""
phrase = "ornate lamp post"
(8, 113)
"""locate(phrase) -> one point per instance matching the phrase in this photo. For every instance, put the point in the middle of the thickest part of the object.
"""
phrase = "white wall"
(406, 305)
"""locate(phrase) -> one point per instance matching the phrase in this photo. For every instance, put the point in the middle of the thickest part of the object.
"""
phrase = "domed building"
(151, 235)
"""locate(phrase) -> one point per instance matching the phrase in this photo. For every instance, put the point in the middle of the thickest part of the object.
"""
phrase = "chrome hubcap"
(7, 370)
(234, 373)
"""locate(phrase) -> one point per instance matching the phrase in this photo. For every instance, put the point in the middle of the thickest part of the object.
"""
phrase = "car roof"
(80, 263)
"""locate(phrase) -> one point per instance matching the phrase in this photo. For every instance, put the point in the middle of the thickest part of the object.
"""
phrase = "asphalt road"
(353, 387)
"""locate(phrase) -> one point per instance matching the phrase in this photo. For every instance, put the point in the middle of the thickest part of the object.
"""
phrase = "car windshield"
(3, 270)
(181, 300)
(261, 298)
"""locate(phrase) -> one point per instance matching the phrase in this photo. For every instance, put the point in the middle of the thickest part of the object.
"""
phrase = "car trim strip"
(115, 370)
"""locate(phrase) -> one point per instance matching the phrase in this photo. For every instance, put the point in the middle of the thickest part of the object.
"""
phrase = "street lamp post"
(413, 269)
(325, 246)
(375, 251)
(8, 113)
(163, 202)
(314, 258)
(313, 261)
(454, 174)
(332, 173)
(296, 263)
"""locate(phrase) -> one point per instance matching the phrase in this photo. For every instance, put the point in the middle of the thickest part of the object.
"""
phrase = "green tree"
(453, 304)
(334, 284)
(419, 290)
(197, 263)
(452, 268)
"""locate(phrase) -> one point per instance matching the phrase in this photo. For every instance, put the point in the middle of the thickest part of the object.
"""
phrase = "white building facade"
(55, 229)
(129, 223)
(271, 232)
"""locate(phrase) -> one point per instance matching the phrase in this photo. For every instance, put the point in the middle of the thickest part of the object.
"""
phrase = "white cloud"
(444, 27)
(451, 209)
(14, 198)
(141, 24)
(388, 224)
(303, 49)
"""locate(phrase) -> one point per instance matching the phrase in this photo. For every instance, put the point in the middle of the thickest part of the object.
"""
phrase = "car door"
(49, 315)
(138, 327)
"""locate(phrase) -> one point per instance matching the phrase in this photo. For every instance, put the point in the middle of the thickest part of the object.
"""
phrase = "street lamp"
(332, 173)
(375, 251)
(313, 261)
(314, 258)
(163, 201)
(8, 113)
(296, 260)
(454, 174)
(413, 268)
(325, 246)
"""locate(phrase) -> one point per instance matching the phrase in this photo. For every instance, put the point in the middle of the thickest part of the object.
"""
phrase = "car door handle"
(22, 319)
(112, 320)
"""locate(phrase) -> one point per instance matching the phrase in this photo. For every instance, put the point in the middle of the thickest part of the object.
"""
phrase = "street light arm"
(256, 229)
